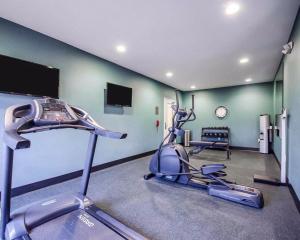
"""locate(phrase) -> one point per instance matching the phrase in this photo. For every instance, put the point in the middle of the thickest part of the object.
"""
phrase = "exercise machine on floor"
(212, 138)
(171, 163)
(66, 216)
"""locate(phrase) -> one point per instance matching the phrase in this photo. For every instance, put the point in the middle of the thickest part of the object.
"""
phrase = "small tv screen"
(26, 78)
(119, 95)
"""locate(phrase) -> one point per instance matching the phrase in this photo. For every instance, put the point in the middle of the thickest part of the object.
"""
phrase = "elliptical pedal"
(148, 176)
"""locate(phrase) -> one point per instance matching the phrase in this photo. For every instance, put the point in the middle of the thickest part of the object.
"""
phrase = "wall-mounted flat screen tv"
(119, 95)
(26, 78)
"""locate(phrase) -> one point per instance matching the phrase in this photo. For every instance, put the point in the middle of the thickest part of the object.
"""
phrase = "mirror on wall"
(278, 96)
(277, 107)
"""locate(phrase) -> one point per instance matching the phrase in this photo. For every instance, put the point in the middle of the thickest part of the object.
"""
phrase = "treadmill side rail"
(76, 225)
(34, 215)
(114, 224)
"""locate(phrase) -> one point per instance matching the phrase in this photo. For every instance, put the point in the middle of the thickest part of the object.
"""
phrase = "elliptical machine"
(171, 163)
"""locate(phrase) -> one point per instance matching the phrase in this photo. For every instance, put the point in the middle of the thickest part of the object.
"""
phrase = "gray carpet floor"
(161, 210)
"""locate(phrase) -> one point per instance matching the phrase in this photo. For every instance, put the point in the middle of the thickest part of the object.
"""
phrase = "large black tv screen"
(22, 77)
(118, 95)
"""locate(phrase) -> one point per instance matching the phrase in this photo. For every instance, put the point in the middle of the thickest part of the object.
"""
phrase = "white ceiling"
(192, 38)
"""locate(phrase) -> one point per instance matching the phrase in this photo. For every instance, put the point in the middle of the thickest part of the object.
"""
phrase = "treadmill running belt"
(75, 225)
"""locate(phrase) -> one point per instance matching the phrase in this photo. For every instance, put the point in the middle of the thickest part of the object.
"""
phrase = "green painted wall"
(245, 104)
(83, 79)
(292, 103)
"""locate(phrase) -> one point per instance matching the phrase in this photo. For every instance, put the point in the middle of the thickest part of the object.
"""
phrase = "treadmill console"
(50, 111)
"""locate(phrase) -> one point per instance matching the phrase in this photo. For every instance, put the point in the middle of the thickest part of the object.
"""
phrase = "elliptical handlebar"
(191, 116)
(177, 101)
(192, 113)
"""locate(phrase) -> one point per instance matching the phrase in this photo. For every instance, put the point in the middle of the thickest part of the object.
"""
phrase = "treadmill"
(62, 217)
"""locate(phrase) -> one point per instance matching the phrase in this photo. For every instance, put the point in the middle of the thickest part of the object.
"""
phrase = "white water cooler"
(264, 133)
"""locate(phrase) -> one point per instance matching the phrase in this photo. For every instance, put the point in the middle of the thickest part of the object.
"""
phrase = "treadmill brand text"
(85, 220)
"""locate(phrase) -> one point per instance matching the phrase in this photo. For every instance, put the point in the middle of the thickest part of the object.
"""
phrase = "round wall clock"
(221, 112)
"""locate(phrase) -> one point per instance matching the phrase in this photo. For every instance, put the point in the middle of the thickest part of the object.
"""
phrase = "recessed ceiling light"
(121, 48)
(193, 87)
(248, 80)
(169, 74)
(232, 8)
(244, 60)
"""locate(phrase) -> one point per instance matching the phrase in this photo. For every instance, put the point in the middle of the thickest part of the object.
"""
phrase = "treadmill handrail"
(11, 126)
(51, 127)
(84, 116)
(19, 119)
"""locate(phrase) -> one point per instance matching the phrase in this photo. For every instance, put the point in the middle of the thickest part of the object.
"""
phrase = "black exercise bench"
(212, 138)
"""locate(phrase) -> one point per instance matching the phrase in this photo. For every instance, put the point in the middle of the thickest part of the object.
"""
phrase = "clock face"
(221, 112)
